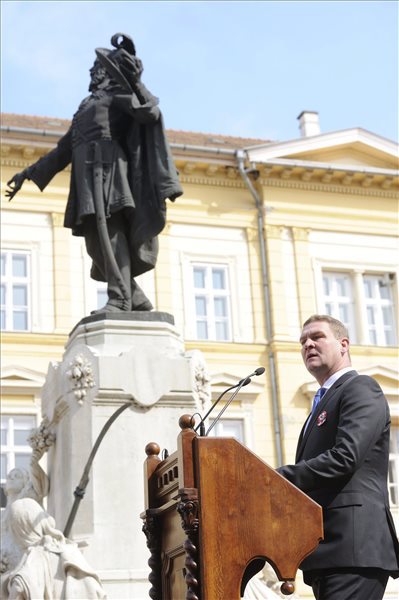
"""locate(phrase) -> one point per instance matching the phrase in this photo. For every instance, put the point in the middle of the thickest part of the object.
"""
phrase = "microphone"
(239, 385)
(201, 424)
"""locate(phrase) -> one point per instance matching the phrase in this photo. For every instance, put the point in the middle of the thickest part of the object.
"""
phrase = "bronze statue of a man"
(122, 173)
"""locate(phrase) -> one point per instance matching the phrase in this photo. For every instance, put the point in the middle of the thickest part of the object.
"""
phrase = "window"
(15, 450)
(378, 302)
(338, 298)
(393, 477)
(102, 295)
(364, 303)
(212, 302)
(228, 428)
(15, 291)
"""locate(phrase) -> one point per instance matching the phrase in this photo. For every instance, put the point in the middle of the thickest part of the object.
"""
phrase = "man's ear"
(344, 345)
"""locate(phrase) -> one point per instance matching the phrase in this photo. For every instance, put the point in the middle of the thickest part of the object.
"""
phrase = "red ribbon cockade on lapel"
(322, 418)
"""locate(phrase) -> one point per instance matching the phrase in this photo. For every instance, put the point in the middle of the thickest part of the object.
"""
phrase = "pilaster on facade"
(163, 280)
(300, 234)
(57, 219)
(257, 300)
(304, 274)
(276, 275)
(63, 291)
(273, 232)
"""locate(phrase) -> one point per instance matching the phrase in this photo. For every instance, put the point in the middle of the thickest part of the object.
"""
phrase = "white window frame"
(189, 243)
(10, 449)
(241, 409)
(393, 474)
(339, 301)
(91, 287)
(377, 304)
(210, 294)
(230, 262)
(101, 294)
(218, 429)
(8, 280)
(357, 272)
(29, 232)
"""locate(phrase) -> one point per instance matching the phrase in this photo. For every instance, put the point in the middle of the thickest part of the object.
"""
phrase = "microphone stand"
(230, 400)
(201, 424)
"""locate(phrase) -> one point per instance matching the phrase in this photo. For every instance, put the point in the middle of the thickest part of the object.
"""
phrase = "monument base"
(111, 359)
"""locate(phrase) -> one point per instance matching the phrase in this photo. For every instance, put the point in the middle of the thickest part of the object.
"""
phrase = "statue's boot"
(139, 299)
(108, 308)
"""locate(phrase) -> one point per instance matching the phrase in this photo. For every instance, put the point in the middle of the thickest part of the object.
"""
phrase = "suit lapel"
(328, 396)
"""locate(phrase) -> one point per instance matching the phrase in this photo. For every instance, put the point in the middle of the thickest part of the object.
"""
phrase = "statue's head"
(17, 480)
(113, 60)
(30, 524)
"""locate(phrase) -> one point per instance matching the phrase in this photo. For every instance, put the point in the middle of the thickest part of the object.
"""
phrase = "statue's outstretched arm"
(44, 169)
(15, 184)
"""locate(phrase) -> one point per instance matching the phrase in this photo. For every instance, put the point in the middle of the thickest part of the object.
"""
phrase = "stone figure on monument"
(122, 173)
(50, 565)
(20, 483)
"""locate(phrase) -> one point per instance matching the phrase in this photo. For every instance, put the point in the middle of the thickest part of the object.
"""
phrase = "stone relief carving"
(41, 439)
(202, 379)
(81, 377)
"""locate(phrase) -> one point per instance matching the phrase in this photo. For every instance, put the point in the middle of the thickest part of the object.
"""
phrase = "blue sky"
(235, 68)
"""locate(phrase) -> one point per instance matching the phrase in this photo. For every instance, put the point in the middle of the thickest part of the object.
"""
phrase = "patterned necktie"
(316, 400)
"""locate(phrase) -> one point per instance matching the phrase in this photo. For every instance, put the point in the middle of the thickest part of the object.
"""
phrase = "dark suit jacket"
(342, 463)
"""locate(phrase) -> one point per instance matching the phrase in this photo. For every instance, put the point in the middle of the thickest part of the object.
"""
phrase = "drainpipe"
(240, 155)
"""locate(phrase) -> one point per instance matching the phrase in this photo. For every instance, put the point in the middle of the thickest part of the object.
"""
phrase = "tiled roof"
(175, 137)
(31, 122)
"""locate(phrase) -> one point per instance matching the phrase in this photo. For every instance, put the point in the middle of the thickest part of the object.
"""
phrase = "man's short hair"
(338, 328)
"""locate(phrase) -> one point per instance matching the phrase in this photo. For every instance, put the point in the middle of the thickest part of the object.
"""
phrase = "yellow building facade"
(266, 234)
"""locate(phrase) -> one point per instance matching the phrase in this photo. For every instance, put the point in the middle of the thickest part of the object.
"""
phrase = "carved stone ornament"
(41, 438)
(202, 380)
(81, 377)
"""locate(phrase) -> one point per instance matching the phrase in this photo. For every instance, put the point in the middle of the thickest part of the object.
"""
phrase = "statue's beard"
(96, 82)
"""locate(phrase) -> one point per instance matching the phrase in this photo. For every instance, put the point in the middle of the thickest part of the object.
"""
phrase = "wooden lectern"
(212, 508)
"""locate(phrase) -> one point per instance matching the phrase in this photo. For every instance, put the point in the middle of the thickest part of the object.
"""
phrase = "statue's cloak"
(138, 169)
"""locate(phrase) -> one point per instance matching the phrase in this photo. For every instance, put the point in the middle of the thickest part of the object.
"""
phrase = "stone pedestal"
(109, 361)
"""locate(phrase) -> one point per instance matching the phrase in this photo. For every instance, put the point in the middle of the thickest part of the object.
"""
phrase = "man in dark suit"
(342, 463)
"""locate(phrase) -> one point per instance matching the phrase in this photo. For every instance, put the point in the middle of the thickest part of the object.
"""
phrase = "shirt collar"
(331, 380)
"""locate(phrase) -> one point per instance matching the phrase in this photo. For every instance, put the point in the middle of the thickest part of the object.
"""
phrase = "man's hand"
(130, 66)
(15, 184)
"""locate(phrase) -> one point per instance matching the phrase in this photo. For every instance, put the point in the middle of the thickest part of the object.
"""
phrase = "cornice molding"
(233, 348)
(379, 352)
(42, 340)
(206, 180)
(334, 189)
(25, 162)
(206, 172)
